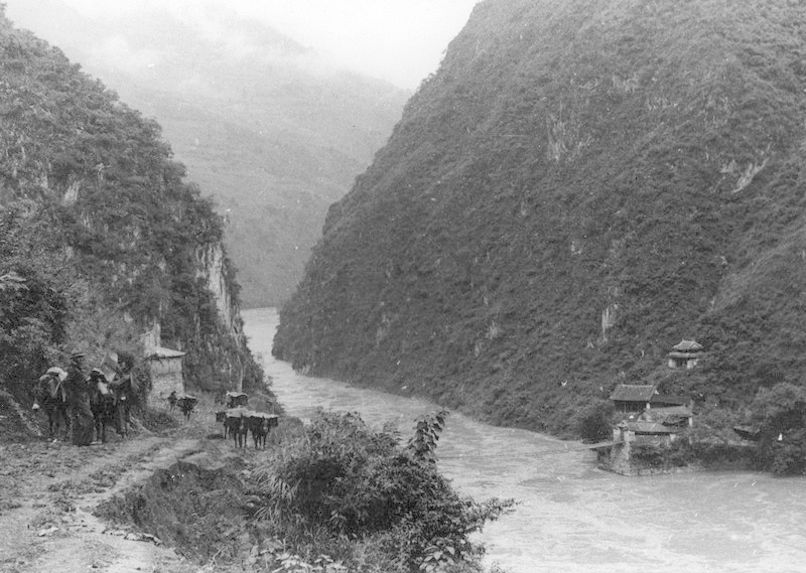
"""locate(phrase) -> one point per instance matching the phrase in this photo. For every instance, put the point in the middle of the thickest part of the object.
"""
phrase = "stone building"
(166, 375)
(651, 423)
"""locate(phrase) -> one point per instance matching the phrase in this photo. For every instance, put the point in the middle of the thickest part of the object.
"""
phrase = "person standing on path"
(78, 396)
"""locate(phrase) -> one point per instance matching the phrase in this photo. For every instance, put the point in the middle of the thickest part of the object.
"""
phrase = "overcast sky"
(401, 41)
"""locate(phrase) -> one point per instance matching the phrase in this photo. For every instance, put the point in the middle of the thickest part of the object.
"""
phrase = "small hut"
(166, 374)
(685, 354)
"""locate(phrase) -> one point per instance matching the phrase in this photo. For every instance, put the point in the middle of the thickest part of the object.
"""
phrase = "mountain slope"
(102, 239)
(580, 186)
(262, 124)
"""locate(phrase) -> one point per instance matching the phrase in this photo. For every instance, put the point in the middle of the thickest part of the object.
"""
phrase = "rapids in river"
(573, 517)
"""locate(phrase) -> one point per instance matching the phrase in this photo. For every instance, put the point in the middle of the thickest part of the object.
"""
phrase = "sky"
(400, 41)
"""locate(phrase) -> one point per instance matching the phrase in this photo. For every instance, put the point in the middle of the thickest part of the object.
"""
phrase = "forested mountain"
(102, 239)
(579, 187)
(262, 123)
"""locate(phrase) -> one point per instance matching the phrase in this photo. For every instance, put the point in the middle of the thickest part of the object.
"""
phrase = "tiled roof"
(687, 346)
(670, 400)
(633, 393)
(671, 411)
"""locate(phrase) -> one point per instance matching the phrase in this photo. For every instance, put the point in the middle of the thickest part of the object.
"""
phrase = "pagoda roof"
(688, 346)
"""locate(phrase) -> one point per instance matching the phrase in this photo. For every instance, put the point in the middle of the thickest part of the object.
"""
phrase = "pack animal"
(186, 405)
(105, 410)
(51, 397)
(236, 424)
(260, 424)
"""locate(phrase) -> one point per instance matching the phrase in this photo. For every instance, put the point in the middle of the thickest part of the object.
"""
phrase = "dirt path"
(48, 491)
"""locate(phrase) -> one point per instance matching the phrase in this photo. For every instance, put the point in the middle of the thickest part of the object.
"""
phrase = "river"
(573, 517)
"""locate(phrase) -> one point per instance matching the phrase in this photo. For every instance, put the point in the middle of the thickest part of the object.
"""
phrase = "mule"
(186, 405)
(105, 410)
(50, 396)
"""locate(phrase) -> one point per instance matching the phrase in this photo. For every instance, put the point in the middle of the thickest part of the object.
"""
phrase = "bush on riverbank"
(780, 414)
(359, 496)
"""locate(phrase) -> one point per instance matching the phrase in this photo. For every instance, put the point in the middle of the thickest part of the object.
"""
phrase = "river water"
(573, 517)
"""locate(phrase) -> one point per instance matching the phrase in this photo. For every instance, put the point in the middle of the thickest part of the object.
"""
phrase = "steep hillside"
(273, 133)
(581, 185)
(101, 239)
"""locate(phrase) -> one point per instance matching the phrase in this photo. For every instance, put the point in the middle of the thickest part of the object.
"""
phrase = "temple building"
(686, 354)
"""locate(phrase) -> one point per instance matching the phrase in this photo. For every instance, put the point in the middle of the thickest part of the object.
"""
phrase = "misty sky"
(401, 41)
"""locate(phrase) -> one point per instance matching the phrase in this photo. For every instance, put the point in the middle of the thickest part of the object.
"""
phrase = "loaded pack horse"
(50, 396)
(105, 406)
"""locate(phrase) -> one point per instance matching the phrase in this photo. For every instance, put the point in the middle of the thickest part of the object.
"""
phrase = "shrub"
(352, 481)
(780, 412)
(595, 422)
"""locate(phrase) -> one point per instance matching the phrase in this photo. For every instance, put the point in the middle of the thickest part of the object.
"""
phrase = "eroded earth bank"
(64, 508)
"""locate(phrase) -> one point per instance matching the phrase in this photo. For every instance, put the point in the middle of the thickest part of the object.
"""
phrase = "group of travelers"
(78, 398)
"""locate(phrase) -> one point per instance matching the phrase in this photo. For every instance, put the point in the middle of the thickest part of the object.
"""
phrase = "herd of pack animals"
(111, 407)
(110, 403)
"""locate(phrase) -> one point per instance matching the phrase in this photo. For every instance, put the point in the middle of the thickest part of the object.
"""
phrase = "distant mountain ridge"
(579, 187)
(262, 124)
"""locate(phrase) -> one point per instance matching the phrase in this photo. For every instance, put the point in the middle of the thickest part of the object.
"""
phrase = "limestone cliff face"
(214, 269)
(581, 185)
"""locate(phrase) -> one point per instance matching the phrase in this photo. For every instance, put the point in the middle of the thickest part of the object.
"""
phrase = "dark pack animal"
(236, 424)
(104, 406)
(186, 405)
(260, 424)
(51, 397)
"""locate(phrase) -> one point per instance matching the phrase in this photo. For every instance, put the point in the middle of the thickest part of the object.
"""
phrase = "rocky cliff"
(581, 185)
(102, 237)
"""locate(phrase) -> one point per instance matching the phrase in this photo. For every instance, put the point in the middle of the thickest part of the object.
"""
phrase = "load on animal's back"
(186, 404)
(50, 396)
(236, 400)
(104, 405)
(239, 422)
(86, 404)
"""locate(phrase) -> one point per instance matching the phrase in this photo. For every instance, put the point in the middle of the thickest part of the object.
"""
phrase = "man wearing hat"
(78, 393)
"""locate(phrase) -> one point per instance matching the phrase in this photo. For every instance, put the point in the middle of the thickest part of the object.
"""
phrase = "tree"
(780, 413)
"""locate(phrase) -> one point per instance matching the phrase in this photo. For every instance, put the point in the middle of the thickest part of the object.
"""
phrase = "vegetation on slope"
(262, 123)
(580, 186)
(101, 237)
